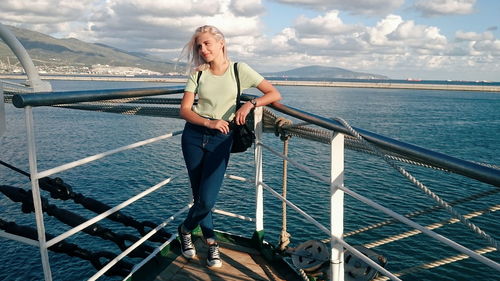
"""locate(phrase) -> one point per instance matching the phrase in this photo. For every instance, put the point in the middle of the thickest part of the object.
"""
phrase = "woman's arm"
(271, 94)
(192, 117)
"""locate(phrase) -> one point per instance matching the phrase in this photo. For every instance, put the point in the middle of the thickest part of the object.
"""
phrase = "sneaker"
(187, 246)
(213, 258)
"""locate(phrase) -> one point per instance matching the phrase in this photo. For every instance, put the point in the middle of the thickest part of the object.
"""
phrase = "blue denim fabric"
(206, 153)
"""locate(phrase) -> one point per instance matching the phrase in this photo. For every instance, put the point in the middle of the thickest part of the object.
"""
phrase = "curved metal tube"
(34, 80)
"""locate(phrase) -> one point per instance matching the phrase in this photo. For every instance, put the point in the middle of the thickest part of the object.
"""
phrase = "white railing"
(35, 176)
(335, 183)
(337, 189)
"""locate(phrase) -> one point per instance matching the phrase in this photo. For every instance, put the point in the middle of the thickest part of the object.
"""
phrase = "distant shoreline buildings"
(6, 67)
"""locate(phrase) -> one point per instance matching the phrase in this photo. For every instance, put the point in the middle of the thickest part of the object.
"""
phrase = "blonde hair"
(190, 51)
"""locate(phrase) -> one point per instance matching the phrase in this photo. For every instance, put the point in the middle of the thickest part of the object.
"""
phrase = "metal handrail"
(459, 166)
(450, 163)
(53, 98)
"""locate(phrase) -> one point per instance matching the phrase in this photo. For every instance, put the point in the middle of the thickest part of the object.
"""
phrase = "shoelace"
(214, 252)
(187, 244)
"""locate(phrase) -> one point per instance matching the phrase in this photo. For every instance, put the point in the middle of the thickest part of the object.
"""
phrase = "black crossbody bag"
(243, 136)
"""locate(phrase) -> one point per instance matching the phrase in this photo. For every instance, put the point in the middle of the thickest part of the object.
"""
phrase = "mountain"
(316, 71)
(47, 51)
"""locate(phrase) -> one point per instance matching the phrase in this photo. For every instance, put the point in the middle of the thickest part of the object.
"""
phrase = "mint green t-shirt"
(217, 93)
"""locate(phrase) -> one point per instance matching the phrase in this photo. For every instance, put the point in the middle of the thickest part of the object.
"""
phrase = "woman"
(207, 136)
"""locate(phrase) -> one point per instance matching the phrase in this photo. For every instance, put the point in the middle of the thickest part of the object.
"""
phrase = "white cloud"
(377, 35)
(329, 24)
(422, 38)
(146, 25)
(47, 16)
(445, 7)
(370, 7)
(42, 11)
(476, 44)
(246, 7)
(473, 36)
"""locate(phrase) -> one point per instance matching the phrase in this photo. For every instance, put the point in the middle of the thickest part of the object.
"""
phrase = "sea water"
(465, 125)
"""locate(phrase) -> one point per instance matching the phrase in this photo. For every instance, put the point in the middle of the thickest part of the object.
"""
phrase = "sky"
(418, 39)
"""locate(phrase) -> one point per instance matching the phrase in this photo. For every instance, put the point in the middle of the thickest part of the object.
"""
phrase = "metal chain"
(420, 185)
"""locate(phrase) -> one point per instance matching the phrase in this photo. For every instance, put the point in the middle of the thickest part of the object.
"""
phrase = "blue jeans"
(206, 153)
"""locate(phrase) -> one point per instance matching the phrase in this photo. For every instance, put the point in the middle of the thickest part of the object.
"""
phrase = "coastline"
(380, 85)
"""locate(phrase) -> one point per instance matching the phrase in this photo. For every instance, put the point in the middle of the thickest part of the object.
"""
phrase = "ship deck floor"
(239, 263)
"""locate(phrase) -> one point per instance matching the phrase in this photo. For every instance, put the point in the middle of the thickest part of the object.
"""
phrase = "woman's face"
(209, 48)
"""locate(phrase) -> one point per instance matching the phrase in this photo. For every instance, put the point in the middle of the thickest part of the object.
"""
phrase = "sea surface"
(465, 125)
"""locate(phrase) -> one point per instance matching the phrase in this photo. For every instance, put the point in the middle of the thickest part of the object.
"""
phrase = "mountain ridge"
(318, 71)
(49, 51)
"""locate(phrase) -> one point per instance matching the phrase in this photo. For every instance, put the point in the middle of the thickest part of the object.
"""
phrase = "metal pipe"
(53, 98)
(258, 161)
(17, 48)
(336, 207)
(98, 156)
(459, 166)
(35, 190)
(107, 213)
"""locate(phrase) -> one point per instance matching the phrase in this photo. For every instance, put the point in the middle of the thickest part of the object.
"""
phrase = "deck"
(239, 263)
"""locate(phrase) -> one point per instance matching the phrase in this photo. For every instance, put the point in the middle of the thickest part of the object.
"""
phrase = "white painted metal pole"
(3, 122)
(259, 190)
(337, 207)
(37, 202)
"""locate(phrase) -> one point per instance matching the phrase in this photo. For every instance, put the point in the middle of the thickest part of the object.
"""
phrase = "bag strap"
(198, 78)
(236, 74)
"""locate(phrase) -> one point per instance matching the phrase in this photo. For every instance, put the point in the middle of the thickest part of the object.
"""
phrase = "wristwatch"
(254, 102)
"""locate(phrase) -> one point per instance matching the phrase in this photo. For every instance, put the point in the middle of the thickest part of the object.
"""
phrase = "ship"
(245, 257)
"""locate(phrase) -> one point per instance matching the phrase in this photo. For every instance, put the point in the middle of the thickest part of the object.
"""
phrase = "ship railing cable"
(390, 159)
(424, 188)
(483, 173)
(324, 136)
(383, 209)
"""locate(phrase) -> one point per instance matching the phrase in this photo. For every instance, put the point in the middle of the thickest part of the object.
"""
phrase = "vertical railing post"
(337, 207)
(35, 190)
(259, 190)
(3, 119)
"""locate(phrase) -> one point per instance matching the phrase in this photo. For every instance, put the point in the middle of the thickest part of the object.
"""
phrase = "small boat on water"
(246, 257)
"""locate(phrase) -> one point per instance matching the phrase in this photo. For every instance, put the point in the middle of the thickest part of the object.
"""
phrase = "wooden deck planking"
(238, 263)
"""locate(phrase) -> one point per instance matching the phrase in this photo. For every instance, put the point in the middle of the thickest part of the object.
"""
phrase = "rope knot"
(280, 124)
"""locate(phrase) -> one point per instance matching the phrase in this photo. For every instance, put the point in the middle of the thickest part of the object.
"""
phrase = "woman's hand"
(221, 125)
(241, 115)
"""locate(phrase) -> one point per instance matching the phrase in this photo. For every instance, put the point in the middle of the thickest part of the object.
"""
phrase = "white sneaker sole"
(214, 265)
